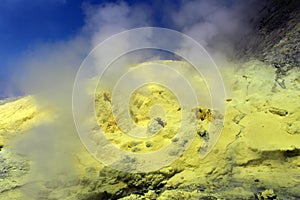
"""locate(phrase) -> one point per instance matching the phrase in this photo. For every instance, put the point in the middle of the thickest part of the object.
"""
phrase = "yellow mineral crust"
(259, 146)
(18, 115)
(149, 104)
(21, 115)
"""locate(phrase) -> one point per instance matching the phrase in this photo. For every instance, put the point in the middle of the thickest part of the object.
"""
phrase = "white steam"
(50, 68)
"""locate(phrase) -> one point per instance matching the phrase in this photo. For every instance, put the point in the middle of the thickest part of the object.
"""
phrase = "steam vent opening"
(150, 100)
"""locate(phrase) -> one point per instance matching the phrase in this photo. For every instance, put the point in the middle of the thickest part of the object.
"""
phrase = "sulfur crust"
(254, 142)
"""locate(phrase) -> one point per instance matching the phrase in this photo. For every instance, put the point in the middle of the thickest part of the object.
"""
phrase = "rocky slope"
(275, 37)
(257, 155)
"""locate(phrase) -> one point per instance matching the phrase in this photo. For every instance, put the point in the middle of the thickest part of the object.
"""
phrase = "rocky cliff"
(274, 38)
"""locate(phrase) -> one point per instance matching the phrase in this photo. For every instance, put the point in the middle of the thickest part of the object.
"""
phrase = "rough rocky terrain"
(257, 155)
(275, 37)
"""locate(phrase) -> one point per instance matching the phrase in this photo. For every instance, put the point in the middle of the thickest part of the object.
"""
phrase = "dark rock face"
(114, 184)
(276, 36)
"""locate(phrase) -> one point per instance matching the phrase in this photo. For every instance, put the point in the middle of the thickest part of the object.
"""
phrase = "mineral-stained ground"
(256, 156)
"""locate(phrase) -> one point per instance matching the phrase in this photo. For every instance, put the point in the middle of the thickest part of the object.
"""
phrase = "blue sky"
(24, 24)
(27, 23)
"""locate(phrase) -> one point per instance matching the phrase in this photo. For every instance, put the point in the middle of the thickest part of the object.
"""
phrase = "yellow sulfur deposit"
(256, 156)
(21, 115)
